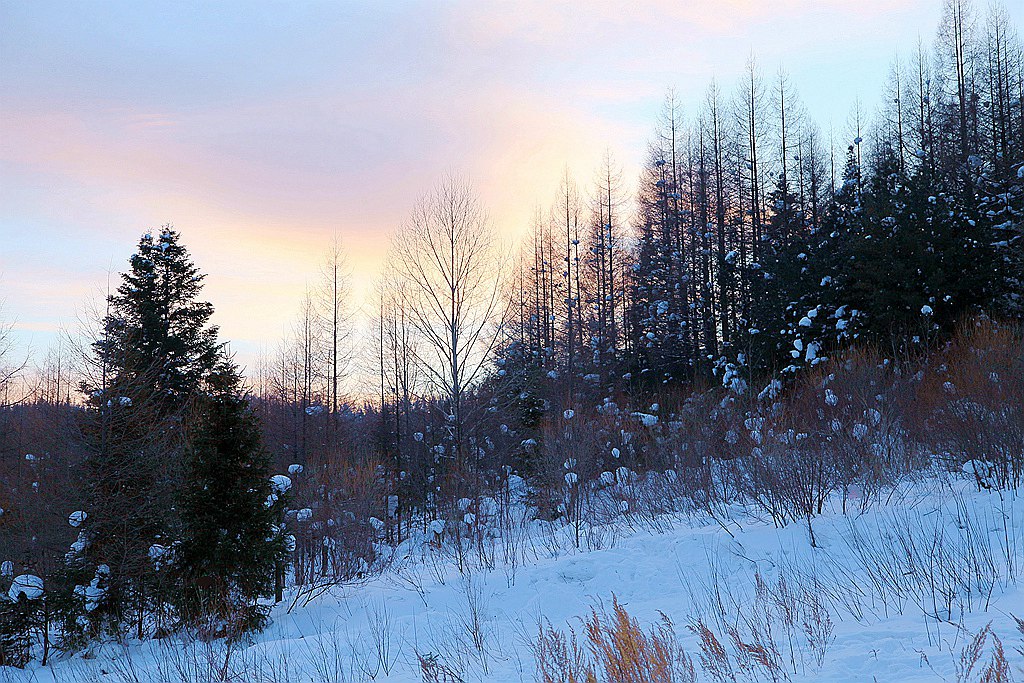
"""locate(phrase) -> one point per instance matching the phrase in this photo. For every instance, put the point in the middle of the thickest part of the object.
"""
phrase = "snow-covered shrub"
(338, 515)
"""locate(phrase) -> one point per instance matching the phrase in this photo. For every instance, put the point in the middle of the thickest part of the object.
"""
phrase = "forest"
(780, 319)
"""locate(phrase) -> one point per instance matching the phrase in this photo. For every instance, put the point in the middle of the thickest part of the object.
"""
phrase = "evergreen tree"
(659, 307)
(228, 546)
(176, 476)
(774, 281)
(155, 320)
(157, 347)
(17, 619)
(921, 256)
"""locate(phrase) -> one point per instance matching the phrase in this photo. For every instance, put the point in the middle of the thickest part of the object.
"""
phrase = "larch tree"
(335, 321)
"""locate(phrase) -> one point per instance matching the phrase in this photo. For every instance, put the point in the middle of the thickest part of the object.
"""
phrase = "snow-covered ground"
(904, 586)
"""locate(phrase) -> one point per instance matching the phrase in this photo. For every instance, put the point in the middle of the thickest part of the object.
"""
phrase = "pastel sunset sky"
(260, 128)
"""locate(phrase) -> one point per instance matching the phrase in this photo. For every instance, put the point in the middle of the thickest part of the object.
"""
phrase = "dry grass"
(618, 650)
(973, 666)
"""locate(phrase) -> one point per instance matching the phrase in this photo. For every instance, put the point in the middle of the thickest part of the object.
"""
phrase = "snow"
(157, 553)
(295, 469)
(93, 595)
(29, 585)
(770, 391)
(80, 544)
(76, 518)
(280, 484)
(646, 420)
(423, 604)
(488, 507)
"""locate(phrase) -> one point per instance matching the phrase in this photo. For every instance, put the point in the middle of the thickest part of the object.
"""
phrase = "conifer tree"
(155, 351)
(228, 545)
(176, 476)
(156, 320)
(921, 257)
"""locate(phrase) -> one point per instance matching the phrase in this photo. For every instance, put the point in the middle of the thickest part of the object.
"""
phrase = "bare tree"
(447, 257)
(335, 320)
(398, 389)
(606, 261)
(567, 212)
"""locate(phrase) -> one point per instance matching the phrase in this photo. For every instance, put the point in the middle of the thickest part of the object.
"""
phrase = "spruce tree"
(157, 347)
(921, 258)
(227, 547)
(176, 475)
(658, 298)
(156, 319)
(775, 280)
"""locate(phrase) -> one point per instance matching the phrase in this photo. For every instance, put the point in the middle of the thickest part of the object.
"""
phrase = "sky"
(261, 129)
